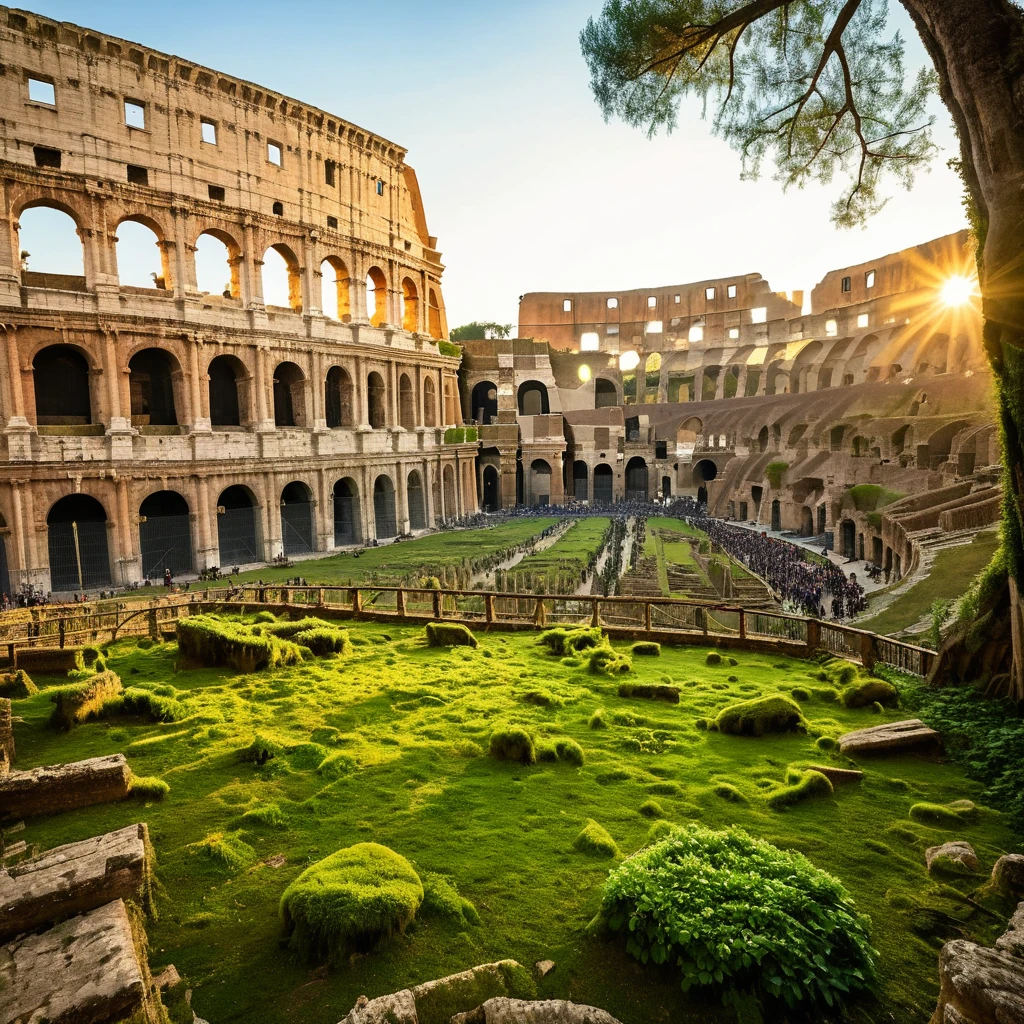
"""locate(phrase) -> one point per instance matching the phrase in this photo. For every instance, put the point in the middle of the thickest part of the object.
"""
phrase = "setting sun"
(958, 290)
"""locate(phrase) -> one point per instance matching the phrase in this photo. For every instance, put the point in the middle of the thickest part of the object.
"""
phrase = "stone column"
(206, 553)
(252, 271)
(264, 418)
(16, 419)
(312, 302)
(319, 421)
(325, 511)
(129, 522)
(394, 405)
(401, 498)
(428, 496)
(10, 252)
(199, 387)
(357, 292)
(359, 397)
(185, 283)
(20, 533)
(118, 421)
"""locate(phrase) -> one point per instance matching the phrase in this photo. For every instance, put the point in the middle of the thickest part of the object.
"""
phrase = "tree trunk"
(978, 50)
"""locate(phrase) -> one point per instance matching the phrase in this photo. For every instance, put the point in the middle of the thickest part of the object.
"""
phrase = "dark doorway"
(376, 400)
(666, 487)
(165, 534)
(484, 402)
(289, 405)
(822, 514)
(338, 398)
(492, 495)
(776, 515)
(636, 479)
(77, 541)
(224, 375)
(849, 538)
(346, 513)
(297, 519)
(151, 387)
(806, 522)
(604, 484)
(417, 505)
(533, 399)
(61, 377)
(579, 480)
(605, 395)
(385, 518)
(237, 527)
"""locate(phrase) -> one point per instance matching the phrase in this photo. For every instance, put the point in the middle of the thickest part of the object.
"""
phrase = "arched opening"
(297, 519)
(704, 472)
(835, 438)
(492, 495)
(50, 249)
(580, 474)
(796, 434)
(76, 536)
(484, 402)
(605, 395)
(822, 517)
(385, 517)
(346, 513)
(775, 381)
(762, 439)
(888, 563)
(141, 258)
(540, 482)
(217, 257)
(429, 403)
(289, 396)
(855, 370)
(940, 444)
(533, 399)
(338, 398)
(900, 440)
(848, 533)
(636, 479)
(776, 515)
(334, 285)
(406, 403)
(227, 375)
(151, 386)
(652, 377)
(604, 484)
(666, 487)
(237, 527)
(434, 315)
(282, 284)
(165, 534)
(60, 375)
(417, 504)
(410, 306)
(377, 300)
(451, 497)
(806, 522)
(376, 400)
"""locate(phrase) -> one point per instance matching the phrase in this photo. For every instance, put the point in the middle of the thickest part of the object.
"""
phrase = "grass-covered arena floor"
(389, 745)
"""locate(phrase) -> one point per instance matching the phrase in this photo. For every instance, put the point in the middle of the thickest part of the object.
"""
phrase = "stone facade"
(183, 428)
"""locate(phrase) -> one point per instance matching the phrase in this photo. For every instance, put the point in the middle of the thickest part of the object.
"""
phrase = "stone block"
(74, 879)
(503, 1010)
(396, 1008)
(84, 971)
(63, 787)
(1008, 873)
(978, 985)
(911, 735)
(77, 704)
(48, 660)
(954, 856)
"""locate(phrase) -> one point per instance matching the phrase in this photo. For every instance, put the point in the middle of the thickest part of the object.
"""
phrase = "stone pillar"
(206, 553)
(325, 512)
(128, 527)
(360, 415)
(357, 293)
(118, 422)
(401, 498)
(264, 416)
(369, 521)
(312, 303)
(319, 420)
(272, 517)
(199, 387)
(185, 282)
(252, 271)
(20, 529)
(10, 252)
(394, 406)
(428, 496)
(16, 419)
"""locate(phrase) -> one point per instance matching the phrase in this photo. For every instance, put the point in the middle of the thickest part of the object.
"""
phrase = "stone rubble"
(951, 855)
(892, 738)
(64, 787)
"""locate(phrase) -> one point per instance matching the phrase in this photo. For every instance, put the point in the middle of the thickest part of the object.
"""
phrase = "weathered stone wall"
(63, 787)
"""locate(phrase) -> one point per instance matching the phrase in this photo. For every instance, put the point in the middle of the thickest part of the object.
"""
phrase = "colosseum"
(729, 391)
(181, 427)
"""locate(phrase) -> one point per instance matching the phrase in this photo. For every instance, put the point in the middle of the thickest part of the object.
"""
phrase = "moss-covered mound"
(206, 641)
(512, 743)
(646, 649)
(800, 786)
(324, 640)
(869, 691)
(596, 841)
(761, 715)
(563, 641)
(449, 634)
(656, 691)
(17, 684)
(79, 702)
(352, 899)
(604, 660)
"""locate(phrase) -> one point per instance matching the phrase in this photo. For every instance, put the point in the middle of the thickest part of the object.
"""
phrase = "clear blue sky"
(525, 186)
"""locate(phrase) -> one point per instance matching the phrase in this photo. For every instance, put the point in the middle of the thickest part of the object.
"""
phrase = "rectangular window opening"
(734, 333)
(709, 294)
(862, 319)
(831, 328)
(274, 153)
(332, 222)
(613, 303)
(612, 329)
(216, 192)
(278, 209)
(134, 114)
(696, 333)
(654, 327)
(329, 166)
(869, 279)
(380, 188)
(46, 157)
(759, 315)
(566, 305)
(137, 175)
(208, 131)
(846, 284)
(678, 299)
(652, 301)
(732, 291)
(589, 341)
(40, 91)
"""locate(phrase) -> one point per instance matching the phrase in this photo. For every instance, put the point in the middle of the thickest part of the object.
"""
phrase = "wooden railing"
(670, 619)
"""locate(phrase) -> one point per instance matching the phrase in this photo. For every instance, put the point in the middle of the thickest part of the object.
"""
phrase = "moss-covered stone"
(449, 634)
(596, 841)
(762, 715)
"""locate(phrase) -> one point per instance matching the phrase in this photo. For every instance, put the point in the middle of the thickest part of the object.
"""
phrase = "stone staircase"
(641, 581)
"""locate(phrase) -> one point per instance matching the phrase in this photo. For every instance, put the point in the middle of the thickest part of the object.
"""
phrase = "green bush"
(353, 898)
(324, 641)
(206, 641)
(604, 660)
(656, 692)
(774, 472)
(740, 914)
(807, 784)
(441, 897)
(512, 743)
(762, 715)
(449, 634)
(149, 787)
(646, 649)
(870, 691)
(713, 658)
(569, 751)
(563, 641)
(264, 617)
(596, 841)
(652, 809)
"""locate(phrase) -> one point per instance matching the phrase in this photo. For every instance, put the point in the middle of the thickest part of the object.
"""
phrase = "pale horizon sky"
(525, 186)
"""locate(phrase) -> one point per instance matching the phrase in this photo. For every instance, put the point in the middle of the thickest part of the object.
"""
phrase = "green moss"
(727, 791)
(353, 898)
(953, 815)
(646, 649)
(261, 750)
(652, 809)
(324, 641)
(597, 720)
(464, 992)
(596, 841)
(563, 641)
(870, 691)
(449, 634)
(760, 716)
(17, 684)
(604, 660)
(713, 658)
(799, 693)
(226, 850)
(650, 692)
(149, 788)
(807, 784)
(512, 743)
(826, 743)
(441, 897)
(774, 472)
(204, 640)
(570, 752)
(267, 815)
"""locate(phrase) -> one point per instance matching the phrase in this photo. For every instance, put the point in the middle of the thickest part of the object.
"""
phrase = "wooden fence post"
(647, 616)
(61, 629)
(539, 614)
(357, 602)
(320, 598)
(438, 600)
(400, 602)
(595, 618)
(285, 595)
(489, 607)
(868, 651)
(743, 623)
(813, 636)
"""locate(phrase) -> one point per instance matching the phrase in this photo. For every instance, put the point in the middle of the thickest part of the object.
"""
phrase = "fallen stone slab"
(49, 660)
(84, 971)
(955, 856)
(396, 1008)
(63, 787)
(74, 879)
(911, 735)
(1008, 873)
(978, 985)
(540, 1011)
(836, 775)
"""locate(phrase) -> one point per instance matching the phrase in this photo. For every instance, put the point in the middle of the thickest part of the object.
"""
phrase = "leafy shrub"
(564, 641)
(870, 691)
(354, 897)
(739, 913)
(149, 787)
(78, 702)
(597, 720)
(570, 752)
(449, 634)
(324, 641)
(713, 658)
(264, 617)
(657, 692)
(652, 809)
(774, 473)
(658, 830)
(605, 660)
(206, 641)
(226, 849)
(646, 649)
(17, 684)
(596, 841)
(512, 743)
(806, 784)
(761, 715)
(261, 750)
(441, 897)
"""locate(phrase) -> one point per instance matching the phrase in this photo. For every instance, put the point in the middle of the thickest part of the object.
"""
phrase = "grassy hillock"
(427, 751)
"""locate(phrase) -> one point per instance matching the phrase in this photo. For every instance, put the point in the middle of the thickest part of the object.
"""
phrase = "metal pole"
(78, 555)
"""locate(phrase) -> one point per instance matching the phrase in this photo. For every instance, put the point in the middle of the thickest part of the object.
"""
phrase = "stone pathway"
(543, 544)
